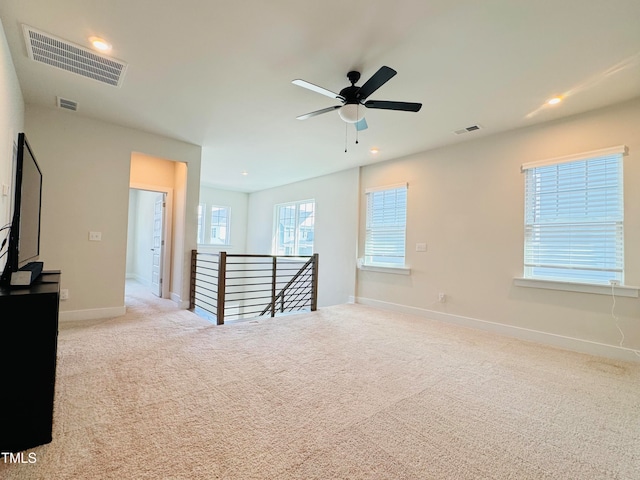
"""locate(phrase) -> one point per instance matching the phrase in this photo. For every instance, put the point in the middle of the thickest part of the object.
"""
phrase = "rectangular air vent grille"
(59, 53)
(471, 128)
(67, 104)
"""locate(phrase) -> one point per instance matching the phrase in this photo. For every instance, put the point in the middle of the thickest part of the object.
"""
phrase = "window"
(574, 216)
(220, 225)
(214, 226)
(386, 226)
(294, 228)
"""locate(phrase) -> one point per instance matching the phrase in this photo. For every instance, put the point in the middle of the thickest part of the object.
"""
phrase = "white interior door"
(158, 244)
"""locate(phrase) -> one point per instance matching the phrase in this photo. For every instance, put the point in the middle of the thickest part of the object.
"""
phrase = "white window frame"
(227, 225)
(584, 264)
(279, 247)
(386, 229)
(205, 225)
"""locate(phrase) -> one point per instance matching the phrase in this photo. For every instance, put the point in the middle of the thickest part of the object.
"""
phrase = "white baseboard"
(92, 314)
(552, 339)
(141, 280)
(178, 299)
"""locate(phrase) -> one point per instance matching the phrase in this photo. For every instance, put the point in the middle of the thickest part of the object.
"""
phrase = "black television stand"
(28, 348)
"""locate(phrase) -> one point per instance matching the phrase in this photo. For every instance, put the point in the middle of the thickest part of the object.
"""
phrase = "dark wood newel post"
(222, 281)
(273, 285)
(314, 284)
(192, 286)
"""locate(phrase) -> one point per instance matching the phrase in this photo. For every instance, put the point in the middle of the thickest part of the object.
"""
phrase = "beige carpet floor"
(347, 392)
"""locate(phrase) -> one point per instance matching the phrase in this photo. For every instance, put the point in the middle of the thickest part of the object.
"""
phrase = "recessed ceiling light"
(554, 101)
(244, 172)
(100, 44)
(374, 150)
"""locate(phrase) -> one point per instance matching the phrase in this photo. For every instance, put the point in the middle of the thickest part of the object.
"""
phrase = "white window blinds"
(574, 218)
(386, 226)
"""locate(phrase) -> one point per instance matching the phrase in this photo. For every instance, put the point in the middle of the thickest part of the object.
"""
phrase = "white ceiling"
(218, 73)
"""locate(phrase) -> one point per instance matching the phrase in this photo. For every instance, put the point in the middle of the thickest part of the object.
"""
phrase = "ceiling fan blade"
(384, 105)
(382, 76)
(317, 89)
(318, 112)
(361, 125)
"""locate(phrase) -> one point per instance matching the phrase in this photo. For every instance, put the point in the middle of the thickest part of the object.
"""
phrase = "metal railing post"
(222, 278)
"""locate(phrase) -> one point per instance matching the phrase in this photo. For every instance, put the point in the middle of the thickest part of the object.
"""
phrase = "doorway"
(148, 240)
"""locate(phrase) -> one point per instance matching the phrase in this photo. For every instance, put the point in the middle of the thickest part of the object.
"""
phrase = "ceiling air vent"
(66, 104)
(56, 52)
(472, 128)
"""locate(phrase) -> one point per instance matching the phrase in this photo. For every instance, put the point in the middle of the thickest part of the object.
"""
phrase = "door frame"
(167, 234)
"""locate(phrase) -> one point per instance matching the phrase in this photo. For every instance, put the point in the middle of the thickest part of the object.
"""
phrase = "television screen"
(24, 231)
(30, 194)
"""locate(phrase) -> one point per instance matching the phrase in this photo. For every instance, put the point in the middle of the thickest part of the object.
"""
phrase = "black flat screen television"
(24, 230)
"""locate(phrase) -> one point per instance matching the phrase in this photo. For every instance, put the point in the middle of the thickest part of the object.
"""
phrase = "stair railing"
(238, 286)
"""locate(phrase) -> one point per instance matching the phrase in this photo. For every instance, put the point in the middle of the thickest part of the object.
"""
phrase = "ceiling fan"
(353, 97)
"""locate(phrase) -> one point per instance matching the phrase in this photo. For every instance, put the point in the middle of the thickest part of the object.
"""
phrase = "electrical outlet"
(614, 282)
(64, 294)
(442, 297)
(95, 236)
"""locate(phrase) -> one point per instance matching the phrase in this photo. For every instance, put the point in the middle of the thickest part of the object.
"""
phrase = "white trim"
(623, 149)
(142, 281)
(617, 290)
(92, 314)
(526, 334)
(386, 187)
(178, 300)
(385, 269)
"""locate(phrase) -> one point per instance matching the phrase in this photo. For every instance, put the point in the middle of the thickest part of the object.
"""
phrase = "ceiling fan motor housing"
(350, 94)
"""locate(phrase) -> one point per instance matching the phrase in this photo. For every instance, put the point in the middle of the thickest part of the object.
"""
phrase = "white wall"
(238, 202)
(466, 202)
(11, 123)
(336, 219)
(86, 172)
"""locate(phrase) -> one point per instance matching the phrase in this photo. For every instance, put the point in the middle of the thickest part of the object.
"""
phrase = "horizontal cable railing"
(236, 286)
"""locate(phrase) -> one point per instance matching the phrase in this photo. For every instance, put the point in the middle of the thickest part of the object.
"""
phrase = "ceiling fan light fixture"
(351, 113)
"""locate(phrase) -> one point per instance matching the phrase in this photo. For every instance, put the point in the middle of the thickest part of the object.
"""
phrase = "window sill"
(618, 290)
(386, 269)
